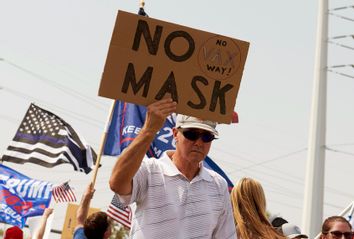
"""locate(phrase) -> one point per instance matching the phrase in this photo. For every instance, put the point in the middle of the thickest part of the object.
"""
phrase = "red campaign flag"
(234, 117)
(120, 213)
(63, 193)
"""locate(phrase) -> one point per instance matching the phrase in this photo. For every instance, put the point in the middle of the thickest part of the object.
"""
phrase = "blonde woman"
(249, 208)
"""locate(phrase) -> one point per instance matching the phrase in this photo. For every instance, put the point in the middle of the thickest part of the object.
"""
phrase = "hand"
(156, 114)
(89, 191)
(48, 212)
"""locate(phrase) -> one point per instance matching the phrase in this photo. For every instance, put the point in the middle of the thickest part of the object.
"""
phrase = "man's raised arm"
(129, 161)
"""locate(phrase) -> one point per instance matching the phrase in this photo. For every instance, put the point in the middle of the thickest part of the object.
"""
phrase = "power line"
(342, 36)
(345, 144)
(271, 160)
(341, 8)
(340, 73)
(341, 45)
(56, 85)
(339, 151)
(9, 119)
(83, 118)
(342, 17)
(288, 178)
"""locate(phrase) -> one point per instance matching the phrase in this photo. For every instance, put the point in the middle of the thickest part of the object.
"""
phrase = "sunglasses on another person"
(193, 135)
(339, 234)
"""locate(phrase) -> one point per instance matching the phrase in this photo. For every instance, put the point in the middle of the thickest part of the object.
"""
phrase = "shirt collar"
(170, 169)
(204, 174)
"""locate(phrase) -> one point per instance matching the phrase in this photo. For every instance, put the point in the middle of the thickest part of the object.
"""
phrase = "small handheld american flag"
(120, 213)
(63, 193)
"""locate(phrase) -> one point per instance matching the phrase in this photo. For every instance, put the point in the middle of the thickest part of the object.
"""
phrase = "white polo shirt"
(170, 206)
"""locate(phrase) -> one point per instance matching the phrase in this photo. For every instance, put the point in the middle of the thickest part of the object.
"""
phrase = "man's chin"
(198, 155)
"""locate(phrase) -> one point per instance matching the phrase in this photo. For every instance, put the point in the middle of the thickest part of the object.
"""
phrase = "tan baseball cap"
(185, 122)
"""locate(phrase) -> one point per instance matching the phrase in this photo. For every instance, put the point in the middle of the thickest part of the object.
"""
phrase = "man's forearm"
(129, 162)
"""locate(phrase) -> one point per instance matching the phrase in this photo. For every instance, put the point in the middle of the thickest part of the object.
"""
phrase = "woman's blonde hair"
(249, 209)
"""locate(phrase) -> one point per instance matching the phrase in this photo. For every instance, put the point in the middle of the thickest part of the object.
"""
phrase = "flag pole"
(103, 142)
(108, 123)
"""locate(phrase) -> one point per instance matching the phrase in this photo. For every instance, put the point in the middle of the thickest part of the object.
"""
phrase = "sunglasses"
(339, 234)
(193, 135)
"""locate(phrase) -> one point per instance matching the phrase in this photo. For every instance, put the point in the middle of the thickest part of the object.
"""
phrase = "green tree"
(119, 232)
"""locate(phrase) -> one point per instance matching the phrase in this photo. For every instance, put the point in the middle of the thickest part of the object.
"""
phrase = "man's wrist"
(146, 132)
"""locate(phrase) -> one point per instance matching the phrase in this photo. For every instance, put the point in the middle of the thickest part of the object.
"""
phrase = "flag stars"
(49, 133)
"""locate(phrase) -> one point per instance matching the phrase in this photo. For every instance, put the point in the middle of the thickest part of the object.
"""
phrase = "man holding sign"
(176, 197)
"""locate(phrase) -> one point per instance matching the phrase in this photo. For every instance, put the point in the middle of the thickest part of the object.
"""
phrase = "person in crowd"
(292, 231)
(175, 196)
(336, 227)
(13, 233)
(249, 209)
(97, 226)
(43, 223)
(277, 221)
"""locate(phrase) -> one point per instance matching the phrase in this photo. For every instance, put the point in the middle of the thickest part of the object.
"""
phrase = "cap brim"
(298, 235)
(200, 126)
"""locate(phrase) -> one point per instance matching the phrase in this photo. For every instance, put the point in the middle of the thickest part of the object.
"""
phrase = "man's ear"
(174, 132)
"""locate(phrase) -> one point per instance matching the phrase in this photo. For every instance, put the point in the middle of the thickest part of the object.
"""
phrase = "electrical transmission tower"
(314, 184)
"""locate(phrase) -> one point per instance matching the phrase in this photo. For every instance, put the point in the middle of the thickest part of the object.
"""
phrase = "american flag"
(45, 139)
(63, 193)
(120, 213)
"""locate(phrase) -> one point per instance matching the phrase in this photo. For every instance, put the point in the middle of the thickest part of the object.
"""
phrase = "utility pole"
(314, 184)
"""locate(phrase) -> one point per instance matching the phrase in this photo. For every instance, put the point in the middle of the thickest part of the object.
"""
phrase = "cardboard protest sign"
(70, 220)
(149, 59)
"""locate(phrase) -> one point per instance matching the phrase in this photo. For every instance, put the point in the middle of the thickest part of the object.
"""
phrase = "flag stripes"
(120, 213)
(45, 139)
(63, 193)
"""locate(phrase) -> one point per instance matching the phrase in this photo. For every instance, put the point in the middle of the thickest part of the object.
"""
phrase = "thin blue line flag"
(44, 138)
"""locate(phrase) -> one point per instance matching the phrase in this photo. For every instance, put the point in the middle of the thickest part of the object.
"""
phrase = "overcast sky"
(53, 53)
